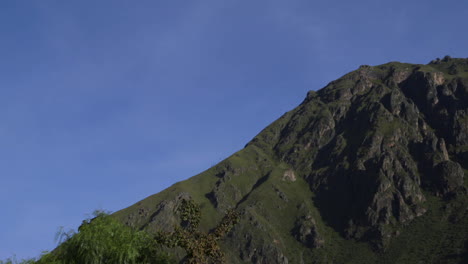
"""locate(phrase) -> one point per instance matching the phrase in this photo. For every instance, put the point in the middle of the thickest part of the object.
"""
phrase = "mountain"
(370, 169)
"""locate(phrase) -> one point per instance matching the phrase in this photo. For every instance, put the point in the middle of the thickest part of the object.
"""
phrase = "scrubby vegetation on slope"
(105, 240)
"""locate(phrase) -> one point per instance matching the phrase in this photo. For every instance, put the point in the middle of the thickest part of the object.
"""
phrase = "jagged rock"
(281, 195)
(306, 232)
(165, 216)
(373, 156)
(448, 177)
(289, 176)
(265, 253)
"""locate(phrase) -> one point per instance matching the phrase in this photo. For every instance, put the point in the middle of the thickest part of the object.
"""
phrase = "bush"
(104, 240)
(201, 248)
(15, 261)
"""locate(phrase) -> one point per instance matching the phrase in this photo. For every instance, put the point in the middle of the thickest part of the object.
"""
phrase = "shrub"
(104, 240)
(201, 248)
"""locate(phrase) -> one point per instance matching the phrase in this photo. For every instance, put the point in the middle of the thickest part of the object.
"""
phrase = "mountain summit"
(370, 169)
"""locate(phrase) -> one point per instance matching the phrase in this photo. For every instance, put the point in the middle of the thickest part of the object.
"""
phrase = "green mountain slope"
(370, 169)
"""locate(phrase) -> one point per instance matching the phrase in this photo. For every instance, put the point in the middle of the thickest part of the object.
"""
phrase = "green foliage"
(190, 215)
(201, 248)
(104, 240)
(13, 260)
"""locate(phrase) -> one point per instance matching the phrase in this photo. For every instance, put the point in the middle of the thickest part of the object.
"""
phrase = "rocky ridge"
(352, 175)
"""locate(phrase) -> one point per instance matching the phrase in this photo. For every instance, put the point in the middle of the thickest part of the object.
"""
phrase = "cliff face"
(370, 168)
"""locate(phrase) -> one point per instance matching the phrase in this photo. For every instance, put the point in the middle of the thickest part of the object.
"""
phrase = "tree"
(201, 248)
(104, 240)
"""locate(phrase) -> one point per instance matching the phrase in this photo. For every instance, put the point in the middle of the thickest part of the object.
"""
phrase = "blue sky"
(103, 103)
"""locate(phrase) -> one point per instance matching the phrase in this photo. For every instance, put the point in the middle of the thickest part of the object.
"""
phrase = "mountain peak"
(357, 172)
